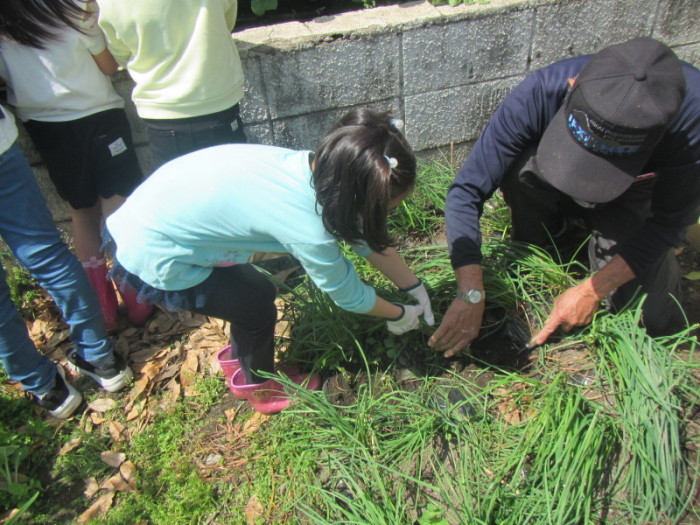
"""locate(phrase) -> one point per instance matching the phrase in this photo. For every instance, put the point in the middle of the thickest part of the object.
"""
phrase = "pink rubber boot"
(137, 313)
(96, 270)
(230, 365)
(269, 397)
(227, 364)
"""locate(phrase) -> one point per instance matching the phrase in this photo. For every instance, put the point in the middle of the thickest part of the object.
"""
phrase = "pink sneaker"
(269, 397)
(228, 365)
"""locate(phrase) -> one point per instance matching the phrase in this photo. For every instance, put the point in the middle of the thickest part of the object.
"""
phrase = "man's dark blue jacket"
(520, 122)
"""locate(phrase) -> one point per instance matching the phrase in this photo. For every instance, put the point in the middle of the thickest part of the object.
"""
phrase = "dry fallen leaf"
(134, 412)
(128, 471)
(175, 390)
(117, 483)
(38, 328)
(144, 355)
(99, 508)
(194, 322)
(253, 510)
(138, 388)
(254, 422)
(102, 405)
(97, 418)
(115, 430)
(91, 487)
(56, 338)
(231, 414)
(70, 446)
(113, 459)
(152, 369)
(188, 371)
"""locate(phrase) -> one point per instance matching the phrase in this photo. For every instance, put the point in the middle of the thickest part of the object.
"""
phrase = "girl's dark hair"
(34, 23)
(354, 180)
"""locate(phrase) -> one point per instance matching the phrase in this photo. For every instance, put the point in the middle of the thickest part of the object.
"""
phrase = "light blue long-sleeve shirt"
(223, 204)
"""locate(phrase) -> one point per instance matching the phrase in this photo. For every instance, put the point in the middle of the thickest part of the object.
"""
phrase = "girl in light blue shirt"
(184, 237)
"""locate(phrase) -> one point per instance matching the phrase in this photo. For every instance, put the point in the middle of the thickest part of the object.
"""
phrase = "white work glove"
(420, 294)
(409, 320)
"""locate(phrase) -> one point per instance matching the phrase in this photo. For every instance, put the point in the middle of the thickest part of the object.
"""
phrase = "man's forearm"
(613, 275)
(469, 277)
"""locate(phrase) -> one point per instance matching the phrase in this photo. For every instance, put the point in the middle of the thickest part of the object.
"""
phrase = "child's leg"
(27, 227)
(137, 313)
(110, 205)
(87, 240)
(244, 297)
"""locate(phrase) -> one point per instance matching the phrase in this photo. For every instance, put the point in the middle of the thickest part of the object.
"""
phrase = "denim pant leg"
(19, 357)
(28, 228)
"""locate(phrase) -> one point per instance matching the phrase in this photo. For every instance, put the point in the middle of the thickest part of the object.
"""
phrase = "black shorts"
(89, 157)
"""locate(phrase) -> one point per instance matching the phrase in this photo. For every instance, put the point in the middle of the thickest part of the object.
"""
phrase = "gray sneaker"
(61, 400)
(111, 377)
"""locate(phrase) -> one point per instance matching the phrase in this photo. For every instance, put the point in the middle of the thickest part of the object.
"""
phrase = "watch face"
(474, 296)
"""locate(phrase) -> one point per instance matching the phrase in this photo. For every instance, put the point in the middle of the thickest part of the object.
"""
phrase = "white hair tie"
(397, 124)
(393, 163)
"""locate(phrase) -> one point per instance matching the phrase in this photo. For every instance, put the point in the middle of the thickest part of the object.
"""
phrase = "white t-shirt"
(8, 131)
(61, 82)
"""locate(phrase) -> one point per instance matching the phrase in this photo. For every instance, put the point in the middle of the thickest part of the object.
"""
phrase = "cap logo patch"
(600, 140)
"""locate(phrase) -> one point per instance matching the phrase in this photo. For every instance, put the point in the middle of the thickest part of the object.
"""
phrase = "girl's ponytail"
(361, 166)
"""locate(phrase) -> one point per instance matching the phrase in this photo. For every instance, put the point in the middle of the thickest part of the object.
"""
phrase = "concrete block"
(342, 73)
(489, 8)
(254, 102)
(454, 115)
(368, 21)
(440, 57)
(278, 36)
(689, 53)
(451, 157)
(260, 133)
(578, 27)
(306, 131)
(678, 21)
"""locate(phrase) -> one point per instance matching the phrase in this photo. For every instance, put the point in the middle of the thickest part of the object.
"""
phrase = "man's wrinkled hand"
(460, 326)
(575, 307)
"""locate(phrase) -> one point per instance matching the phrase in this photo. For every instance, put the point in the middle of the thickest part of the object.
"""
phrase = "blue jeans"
(28, 229)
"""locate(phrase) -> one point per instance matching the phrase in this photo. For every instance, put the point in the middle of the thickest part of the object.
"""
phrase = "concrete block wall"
(443, 70)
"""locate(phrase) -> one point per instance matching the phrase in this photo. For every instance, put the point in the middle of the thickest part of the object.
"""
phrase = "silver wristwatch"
(472, 296)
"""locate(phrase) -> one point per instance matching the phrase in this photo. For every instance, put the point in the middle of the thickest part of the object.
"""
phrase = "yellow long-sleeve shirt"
(180, 54)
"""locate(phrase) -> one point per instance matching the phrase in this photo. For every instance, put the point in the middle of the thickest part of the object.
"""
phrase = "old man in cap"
(612, 139)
